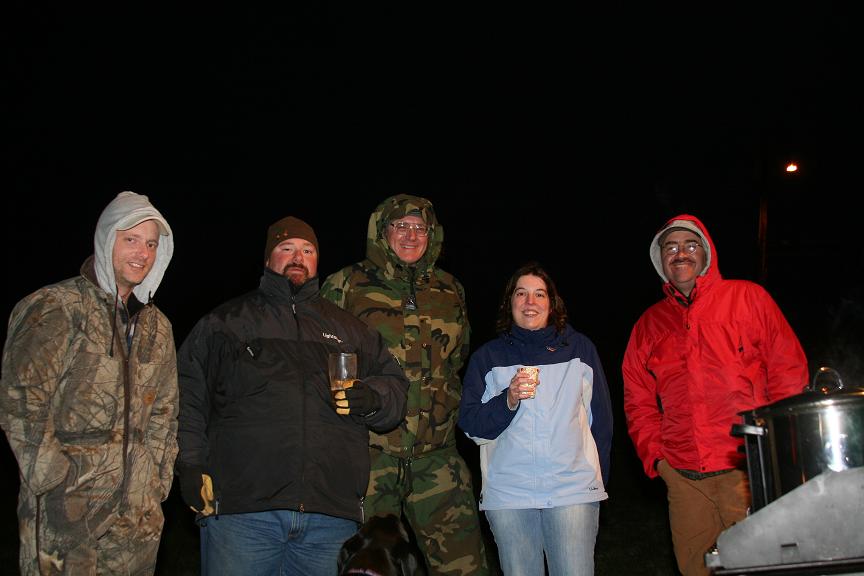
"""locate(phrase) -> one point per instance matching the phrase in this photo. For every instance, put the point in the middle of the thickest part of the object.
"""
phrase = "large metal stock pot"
(793, 440)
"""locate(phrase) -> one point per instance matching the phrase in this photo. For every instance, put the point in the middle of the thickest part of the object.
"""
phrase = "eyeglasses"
(402, 229)
(673, 248)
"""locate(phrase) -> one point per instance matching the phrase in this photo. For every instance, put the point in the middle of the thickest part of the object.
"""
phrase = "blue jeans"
(566, 534)
(276, 542)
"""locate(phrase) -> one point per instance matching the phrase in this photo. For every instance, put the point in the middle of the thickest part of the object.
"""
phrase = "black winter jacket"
(255, 406)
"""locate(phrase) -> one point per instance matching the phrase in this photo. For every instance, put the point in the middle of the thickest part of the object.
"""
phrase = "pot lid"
(810, 401)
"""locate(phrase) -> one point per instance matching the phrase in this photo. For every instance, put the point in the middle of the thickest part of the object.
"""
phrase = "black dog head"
(381, 547)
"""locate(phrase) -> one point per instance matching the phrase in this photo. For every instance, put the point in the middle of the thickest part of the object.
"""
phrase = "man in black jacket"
(276, 475)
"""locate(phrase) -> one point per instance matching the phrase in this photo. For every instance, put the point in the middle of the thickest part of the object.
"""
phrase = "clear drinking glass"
(343, 372)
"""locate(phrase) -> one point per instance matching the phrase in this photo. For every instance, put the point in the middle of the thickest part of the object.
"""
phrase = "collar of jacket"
(398, 271)
(679, 297)
(395, 269)
(544, 337)
(278, 286)
(703, 286)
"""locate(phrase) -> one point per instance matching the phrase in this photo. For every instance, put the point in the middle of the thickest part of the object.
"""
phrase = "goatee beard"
(293, 278)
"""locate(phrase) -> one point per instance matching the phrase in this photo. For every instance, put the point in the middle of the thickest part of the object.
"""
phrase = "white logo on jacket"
(331, 336)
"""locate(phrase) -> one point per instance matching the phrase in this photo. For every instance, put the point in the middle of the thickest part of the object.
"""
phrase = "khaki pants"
(699, 510)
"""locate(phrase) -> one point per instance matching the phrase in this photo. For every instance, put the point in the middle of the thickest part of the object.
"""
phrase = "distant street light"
(790, 168)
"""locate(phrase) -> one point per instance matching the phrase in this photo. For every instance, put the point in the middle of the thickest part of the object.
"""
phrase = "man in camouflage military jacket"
(420, 311)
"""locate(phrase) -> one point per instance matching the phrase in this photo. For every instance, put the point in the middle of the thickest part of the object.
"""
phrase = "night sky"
(597, 123)
(600, 122)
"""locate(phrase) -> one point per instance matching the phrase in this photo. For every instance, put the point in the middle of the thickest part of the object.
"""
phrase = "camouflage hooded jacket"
(430, 341)
(91, 421)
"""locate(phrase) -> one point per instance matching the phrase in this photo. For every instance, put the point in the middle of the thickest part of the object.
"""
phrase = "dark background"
(566, 135)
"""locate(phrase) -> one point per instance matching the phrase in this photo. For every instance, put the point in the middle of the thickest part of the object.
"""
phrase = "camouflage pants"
(53, 542)
(113, 553)
(435, 493)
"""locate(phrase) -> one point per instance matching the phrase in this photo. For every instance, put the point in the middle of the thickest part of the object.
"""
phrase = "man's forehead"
(678, 235)
(148, 229)
(295, 242)
(410, 218)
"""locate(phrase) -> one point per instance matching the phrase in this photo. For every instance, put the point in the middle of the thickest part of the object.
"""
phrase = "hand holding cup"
(343, 373)
(523, 385)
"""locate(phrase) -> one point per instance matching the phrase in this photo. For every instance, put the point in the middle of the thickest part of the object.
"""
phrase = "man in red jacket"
(708, 350)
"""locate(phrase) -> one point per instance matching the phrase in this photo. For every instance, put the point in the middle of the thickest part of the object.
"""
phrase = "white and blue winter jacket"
(553, 450)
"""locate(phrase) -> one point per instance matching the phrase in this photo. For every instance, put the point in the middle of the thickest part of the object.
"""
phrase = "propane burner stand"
(817, 526)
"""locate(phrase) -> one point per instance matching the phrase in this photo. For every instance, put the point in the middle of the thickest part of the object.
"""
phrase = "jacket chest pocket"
(254, 367)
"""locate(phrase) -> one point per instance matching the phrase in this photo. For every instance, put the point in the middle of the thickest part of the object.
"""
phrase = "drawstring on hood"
(411, 302)
(114, 323)
(126, 211)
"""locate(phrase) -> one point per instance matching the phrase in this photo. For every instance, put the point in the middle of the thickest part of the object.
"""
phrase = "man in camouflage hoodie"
(88, 402)
(420, 311)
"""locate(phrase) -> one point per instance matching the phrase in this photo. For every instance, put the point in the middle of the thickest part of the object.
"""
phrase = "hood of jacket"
(688, 222)
(378, 250)
(126, 211)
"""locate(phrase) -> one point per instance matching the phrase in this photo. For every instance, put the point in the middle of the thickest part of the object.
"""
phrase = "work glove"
(196, 487)
(359, 400)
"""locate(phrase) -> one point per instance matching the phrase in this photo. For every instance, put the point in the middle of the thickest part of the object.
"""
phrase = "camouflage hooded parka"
(430, 341)
(88, 402)
(420, 312)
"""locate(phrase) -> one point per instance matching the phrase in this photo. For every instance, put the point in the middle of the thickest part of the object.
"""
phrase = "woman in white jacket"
(544, 451)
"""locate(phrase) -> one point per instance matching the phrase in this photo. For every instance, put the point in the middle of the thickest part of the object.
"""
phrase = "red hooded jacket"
(691, 366)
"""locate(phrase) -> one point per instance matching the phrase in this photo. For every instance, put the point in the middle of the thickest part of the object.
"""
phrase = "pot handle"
(748, 430)
(836, 383)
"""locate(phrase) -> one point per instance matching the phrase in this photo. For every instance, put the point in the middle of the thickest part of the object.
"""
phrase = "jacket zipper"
(303, 408)
(127, 406)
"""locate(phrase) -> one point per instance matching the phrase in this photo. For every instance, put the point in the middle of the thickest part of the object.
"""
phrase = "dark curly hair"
(557, 309)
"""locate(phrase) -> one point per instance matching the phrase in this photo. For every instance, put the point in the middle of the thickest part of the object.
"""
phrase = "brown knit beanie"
(288, 227)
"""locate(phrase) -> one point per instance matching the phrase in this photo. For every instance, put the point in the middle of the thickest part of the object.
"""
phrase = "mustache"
(290, 266)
